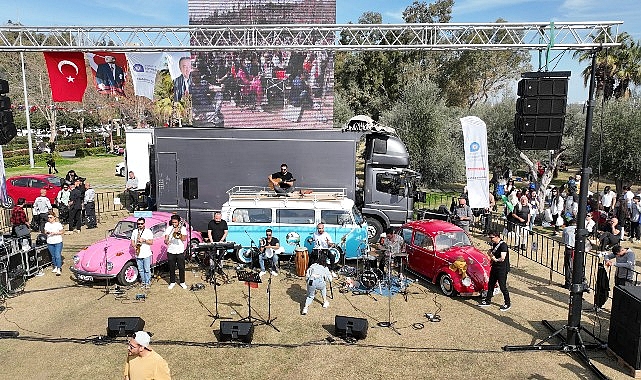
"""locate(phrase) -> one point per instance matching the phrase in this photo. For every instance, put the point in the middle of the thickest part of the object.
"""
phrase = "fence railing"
(105, 205)
(545, 250)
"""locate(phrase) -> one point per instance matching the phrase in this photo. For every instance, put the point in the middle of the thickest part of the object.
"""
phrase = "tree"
(430, 132)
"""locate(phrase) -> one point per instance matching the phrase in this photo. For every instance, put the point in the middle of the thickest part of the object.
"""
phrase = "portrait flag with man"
(67, 75)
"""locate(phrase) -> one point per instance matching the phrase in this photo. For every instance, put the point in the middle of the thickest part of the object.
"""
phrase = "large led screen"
(268, 88)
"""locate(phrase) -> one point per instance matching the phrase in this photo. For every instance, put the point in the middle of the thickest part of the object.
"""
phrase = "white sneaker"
(183, 285)
(274, 273)
(326, 304)
(54, 270)
(304, 312)
(171, 286)
(334, 275)
(262, 273)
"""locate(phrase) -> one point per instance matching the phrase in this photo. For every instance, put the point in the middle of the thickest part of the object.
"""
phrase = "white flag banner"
(143, 68)
(173, 62)
(476, 161)
(3, 179)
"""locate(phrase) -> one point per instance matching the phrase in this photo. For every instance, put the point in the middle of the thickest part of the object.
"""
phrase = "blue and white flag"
(476, 161)
(143, 68)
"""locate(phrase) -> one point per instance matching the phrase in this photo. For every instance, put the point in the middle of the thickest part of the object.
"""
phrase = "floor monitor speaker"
(124, 326)
(236, 331)
(351, 327)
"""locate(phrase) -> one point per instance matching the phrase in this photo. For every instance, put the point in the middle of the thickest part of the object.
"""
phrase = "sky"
(174, 12)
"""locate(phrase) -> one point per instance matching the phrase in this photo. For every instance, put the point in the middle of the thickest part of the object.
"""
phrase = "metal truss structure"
(346, 37)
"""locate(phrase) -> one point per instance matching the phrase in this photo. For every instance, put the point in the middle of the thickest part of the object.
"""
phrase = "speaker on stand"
(190, 191)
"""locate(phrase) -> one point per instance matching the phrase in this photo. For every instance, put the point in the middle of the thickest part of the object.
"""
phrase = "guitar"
(271, 185)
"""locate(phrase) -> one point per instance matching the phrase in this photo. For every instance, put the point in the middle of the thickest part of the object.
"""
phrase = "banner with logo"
(143, 68)
(67, 75)
(476, 161)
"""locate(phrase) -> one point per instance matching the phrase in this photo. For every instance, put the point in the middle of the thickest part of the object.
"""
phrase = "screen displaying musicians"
(283, 181)
(322, 243)
(175, 236)
(317, 277)
(269, 250)
(141, 239)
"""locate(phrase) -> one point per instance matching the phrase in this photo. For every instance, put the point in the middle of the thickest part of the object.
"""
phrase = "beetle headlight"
(76, 259)
(110, 265)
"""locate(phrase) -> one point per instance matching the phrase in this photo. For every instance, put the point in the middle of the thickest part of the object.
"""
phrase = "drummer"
(322, 244)
(390, 247)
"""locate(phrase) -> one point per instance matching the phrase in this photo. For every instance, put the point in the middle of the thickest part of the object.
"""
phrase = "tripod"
(389, 322)
(216, 260)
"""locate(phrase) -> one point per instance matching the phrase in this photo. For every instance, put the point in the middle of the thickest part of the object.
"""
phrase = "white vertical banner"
(476, 161)
(3, 179)
(143, 68)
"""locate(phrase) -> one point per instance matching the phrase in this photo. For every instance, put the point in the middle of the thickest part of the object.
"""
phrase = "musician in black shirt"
(500, 258)
(217, 228)
(269, 250)
(217, 232)
(282, 182)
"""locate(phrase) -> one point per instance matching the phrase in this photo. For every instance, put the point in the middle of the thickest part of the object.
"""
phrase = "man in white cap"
(142, 362)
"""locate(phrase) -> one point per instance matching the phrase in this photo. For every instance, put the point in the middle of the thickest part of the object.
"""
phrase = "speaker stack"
(540, 110)
(7, 127)
(624, 337)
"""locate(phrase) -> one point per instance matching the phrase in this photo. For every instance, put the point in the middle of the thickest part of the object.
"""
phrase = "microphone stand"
(389, 322)
(106, 289)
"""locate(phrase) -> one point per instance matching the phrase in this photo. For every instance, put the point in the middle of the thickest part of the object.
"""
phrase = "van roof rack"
(307, 193)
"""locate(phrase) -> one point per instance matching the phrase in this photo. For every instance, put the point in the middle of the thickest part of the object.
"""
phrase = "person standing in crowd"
(317, 277)
(141, 239)
(500, 258)
(130, 189)
(610, 234)
(521, 217)
(488, 213)
(51, 164)
(635, 218)
(322, 243)
(18, 216)
(71, 177)
(54, 231)
(90, 206)
(62, 201)
(41, 208)
(557, 205)
(283, 181)
(623, 259)
(142, 362)
(75, 207)
(269, 249)
(175, 237)
(608, 199)
(568, 240)
(463, 214)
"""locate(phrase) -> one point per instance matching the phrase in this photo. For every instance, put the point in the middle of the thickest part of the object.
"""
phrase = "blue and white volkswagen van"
(251, 210)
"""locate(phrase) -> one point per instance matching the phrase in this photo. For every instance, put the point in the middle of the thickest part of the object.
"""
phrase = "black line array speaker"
(624, 337)
(124, 326)
(351, 327)
(540, 110)
(236, 331)
(190, 188)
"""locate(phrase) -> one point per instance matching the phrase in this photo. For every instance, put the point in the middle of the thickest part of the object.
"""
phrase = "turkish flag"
(67, 75)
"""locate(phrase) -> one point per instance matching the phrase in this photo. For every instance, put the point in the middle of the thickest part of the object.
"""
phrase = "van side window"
(293, 216)
(252, 215)
(337, 217)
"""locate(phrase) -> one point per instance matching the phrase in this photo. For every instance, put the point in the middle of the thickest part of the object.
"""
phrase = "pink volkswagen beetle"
(444, 254)
(114, 257)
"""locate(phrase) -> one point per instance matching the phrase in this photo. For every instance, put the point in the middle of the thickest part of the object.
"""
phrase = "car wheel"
(374, 230)
(9, 203)
(122, 172)
(446, 284)
(128, 274)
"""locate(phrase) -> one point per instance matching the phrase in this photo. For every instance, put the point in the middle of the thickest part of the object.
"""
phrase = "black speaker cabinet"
(624, 338)
(190, 188)
(8, 129)
(236, 331)
(124, 326)
(351, 327)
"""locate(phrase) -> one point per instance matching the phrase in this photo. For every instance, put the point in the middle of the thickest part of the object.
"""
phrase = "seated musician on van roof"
(282, 182)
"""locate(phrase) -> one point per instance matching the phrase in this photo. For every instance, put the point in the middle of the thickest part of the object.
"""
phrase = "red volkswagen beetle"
(444, 254)
(29, 186)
